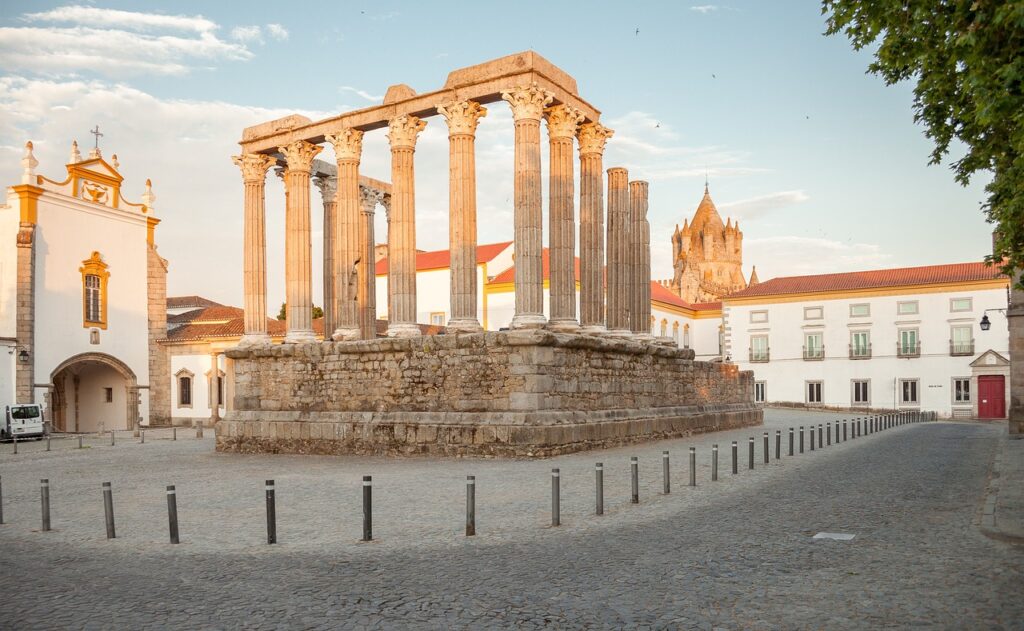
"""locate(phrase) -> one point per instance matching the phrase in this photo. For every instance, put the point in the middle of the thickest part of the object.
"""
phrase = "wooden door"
(991, 396)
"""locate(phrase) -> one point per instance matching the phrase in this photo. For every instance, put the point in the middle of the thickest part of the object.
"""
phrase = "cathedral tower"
(707, 256)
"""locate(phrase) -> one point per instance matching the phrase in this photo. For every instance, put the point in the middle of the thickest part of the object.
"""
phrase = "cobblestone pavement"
(736, 553)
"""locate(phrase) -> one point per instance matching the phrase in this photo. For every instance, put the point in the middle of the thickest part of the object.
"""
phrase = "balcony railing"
(814, 353)
(961, 348)
(908, 350)
(759, 356)
(860, 352)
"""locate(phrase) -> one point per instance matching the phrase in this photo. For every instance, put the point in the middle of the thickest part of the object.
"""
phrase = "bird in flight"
(637, 32)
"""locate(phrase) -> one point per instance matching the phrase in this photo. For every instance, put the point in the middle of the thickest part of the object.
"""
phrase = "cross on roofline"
(96, 132)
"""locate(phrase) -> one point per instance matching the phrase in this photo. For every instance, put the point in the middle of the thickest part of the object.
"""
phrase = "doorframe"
(990, 363)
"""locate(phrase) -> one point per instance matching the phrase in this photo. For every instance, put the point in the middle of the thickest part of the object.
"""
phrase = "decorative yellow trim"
(930, 288)
(29, 202)
(151, 223)
(94, 266)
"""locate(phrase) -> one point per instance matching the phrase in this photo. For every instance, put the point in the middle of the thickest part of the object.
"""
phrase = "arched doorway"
(94, 392)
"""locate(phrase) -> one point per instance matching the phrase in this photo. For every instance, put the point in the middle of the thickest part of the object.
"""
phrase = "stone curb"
(990, 525)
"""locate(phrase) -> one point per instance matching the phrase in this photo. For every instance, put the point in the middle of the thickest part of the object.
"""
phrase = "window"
(960, 304)
(220, 392)
(759, 348)
(813, 346)
(814, 313)
(721, 340)
(860, 344)
(908, 391)
(758, 316)
(184, 391)
(94, 291)
(908, 346)
(814, 392)
(961, 390)
(108, 395)
(759, 391)
(437, 318)
(861, 392)
(675, 332)
(686, 336)
(907, 308)
(653, 326)
(860, 310)
(219, 384)
(664, 328)
(961, 340)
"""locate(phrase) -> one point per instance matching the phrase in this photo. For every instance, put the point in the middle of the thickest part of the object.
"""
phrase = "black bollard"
(766, 447)
(599, 487)
(44, 496)
(556, 515)
(79, 441)
(172, 513)
(665, 483)
(821, 442)
(174, 433)
(634, 484)
(142, 436)
(714, 463)
(801, 439)
(271, 512)
(790, 441)
(470, 505)
(828, 434)
(1, 500)
(111, 438)
(15, 440)
(778, 444)
(693, 466)
(812, 438)
(108, 509)
(844, 430)
(735, 463)
(750, 452)
(367, 508)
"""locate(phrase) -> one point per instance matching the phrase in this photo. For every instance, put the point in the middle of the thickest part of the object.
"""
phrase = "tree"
(967, 58)
(283, 313)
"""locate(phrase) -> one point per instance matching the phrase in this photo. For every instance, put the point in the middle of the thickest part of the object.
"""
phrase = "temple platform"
(509, 394)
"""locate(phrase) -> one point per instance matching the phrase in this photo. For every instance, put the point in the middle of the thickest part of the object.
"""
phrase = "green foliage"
(967, 58)
(283, 313)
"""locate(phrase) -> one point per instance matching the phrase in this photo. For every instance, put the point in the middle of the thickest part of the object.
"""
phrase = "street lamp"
(23, 356)
(986, 324)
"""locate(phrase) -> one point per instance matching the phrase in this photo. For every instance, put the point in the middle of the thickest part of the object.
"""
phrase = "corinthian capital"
(328, 185)
(254, 166)
(462, 116)
(403, 130)
(348, 143)
(563, 120)
(300, 155)
(370, 197)
(527, 102)
(593, 137)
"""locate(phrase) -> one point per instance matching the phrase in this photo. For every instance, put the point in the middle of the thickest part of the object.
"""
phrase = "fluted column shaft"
(348, 145)
(527, 105)
(637, 211)
(618, 251)
(402, 133)
(592, 138)
(298, 241)
(367, 269)
(328, 191)
(462, 118)
(254, 266)
(562, 121)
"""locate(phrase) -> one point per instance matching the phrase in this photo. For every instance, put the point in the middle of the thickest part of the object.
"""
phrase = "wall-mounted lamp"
(986, 324)
(23, 356)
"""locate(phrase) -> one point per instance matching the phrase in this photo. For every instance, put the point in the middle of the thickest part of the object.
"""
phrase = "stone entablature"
(526, 392)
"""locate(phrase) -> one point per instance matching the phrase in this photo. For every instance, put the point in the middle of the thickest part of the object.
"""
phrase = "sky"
(821, 163)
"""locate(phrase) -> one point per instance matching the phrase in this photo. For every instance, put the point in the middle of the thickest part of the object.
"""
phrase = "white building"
(82, 294)
(906, 338)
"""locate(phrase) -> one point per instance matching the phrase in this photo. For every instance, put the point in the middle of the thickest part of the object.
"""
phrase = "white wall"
(9, 217)
(199, 366)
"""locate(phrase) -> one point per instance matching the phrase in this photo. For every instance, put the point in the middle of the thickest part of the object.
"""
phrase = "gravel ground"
(736, 553)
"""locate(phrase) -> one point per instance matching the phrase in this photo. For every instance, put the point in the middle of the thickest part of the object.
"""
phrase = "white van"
(23, 420)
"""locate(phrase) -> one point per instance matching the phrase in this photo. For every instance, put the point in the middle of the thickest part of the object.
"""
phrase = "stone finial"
(527, 102)
(592, 137)
(348, 143)
(300, 154)
(76, 155)
(114, 163)
(563, 120)
(370, 197)
(28, 165)
(328, 185)
(403, 130)
(254, 166)
(148, 197)
(462, 116)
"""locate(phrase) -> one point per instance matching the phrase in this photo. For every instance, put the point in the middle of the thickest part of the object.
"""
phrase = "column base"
(346, 334)
(566, 325)
(464, 325)
(665, 341)
(593, 329)
(644, 337)
(403, 329)
(300, 336)
(528, 321)
(619, 333)
(254, 339)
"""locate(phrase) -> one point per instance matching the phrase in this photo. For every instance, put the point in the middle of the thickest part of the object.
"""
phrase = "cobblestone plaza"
(736, 553)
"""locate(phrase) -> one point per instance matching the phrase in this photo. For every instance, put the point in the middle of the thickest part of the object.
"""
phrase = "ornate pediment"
(990, 358)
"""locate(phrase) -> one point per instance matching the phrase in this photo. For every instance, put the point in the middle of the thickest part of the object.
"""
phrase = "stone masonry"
(520, 393)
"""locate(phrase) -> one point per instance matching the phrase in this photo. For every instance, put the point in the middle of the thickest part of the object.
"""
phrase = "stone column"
(592, 138)
(402, 133)
(528, 103)
(640, 280)
(563, 121)
(367, 294)
(618, 251)
(462, 117)
(298, 242)
(254, 274)
(1015, 322)
(214, 390)
(348, 146)
(328, 192)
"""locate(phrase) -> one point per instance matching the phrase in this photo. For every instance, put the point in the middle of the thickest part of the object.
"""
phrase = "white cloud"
(383, 17)
(277, 32)
(704, 9)
(247, 34)
(112, 18)
(756, 207)
(775, 256)
(362, 93)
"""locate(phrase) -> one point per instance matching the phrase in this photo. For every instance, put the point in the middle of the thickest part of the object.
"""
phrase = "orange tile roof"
(662, 294)
(181, 302)
(509, 275)
(871, 279)
(441, 259)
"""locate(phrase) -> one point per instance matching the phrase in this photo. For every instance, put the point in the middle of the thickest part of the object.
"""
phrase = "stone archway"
(94, 392)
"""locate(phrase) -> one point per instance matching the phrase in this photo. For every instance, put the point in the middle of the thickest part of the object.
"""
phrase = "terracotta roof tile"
(182, 302)
(662, 294)
(441, 259)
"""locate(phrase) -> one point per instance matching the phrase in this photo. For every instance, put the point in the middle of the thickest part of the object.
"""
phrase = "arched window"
(675, 332)
(686, 336)
(664, 327)
(653, 324)
(185, 380)
(94, 291)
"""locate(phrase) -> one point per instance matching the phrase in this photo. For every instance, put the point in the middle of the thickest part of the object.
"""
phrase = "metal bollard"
(172, 513)
(47, 442)
(750, 452)
(812, 438)
(142, 436)
(599, 488)
(790, 441)
(821, 443)
(79, 441)
(693, 466)
(271, 512)
(108, 509)
(470, 505)
(367, 508)
(44, 496)
(199, 430)
(714, 463)
(1, 500)
(801, 439)
(665, 483)
(111, 438)
(735, 464)
(15, 439)
(766, 447)
(556, 516)
(174, 433)
(778, 444)
(844, 430)
(634, 473)
(828, 434)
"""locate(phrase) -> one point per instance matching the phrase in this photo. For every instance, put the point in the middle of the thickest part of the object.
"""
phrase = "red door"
(991, 396)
